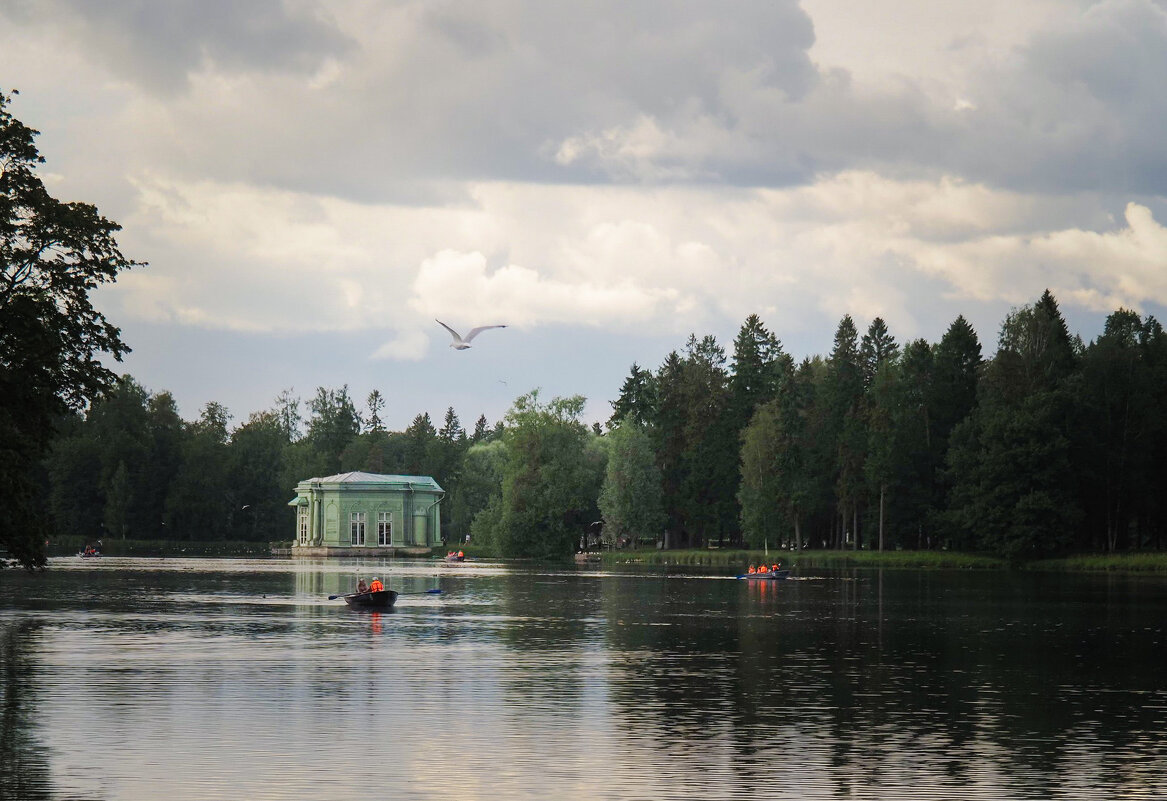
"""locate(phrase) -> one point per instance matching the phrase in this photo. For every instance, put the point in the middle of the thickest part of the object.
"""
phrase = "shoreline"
(1139, 562)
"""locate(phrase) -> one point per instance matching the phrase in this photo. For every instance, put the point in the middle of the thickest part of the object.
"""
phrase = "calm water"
(220, 679)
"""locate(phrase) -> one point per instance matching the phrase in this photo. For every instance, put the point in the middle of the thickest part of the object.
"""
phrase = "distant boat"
(89, 554)
(381, 599)
(769, 575)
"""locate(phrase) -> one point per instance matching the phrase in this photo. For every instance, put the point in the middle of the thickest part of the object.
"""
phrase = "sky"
(312, 184)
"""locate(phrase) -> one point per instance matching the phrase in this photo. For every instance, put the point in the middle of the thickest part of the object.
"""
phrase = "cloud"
(458, 286)
(406, 346)
(633, 259)
(378, 102)
(160, 45)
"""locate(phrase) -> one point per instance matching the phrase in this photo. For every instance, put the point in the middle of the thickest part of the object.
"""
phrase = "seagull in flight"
(463, 342)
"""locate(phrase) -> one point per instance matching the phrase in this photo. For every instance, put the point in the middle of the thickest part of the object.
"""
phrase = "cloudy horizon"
(313, 184)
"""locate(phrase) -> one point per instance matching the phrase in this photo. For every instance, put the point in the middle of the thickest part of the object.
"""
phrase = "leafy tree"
(333, 425)
(552, 477)
(630, 498)
(118, 496)
(120, 423)
(201, 504)
(481, 482)
(51, 337)
(763, 495)
(255, 447)
(166, 434)
(76, 499)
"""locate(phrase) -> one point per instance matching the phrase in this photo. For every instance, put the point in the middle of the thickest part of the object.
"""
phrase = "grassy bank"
(69, 546)
(1147, 562)
(1152, 562)
(804, 559)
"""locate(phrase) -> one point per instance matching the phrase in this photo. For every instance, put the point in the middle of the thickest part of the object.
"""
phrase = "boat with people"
(774, 572)
(769, 575)
(378, 599)
(456, 556)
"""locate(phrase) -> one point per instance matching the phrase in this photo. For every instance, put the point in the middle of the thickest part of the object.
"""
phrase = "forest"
(1052, 445)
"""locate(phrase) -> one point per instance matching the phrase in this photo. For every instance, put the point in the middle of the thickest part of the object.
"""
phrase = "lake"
(128, 679)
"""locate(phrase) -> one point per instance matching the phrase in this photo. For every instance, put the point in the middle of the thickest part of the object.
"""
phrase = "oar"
(349, 595)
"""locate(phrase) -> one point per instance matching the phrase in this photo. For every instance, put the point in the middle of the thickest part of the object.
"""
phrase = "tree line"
(1050, 445)
(130, 467)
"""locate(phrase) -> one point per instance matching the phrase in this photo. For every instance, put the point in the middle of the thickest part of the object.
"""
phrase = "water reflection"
(24, 764)
(206, 679)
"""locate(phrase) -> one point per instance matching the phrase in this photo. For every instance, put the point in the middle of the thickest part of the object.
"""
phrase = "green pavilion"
(366, 514)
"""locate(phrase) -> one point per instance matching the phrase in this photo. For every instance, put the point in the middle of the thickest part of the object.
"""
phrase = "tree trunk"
(882, 490)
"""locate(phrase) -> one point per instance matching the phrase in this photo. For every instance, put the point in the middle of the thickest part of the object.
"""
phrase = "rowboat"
(770, 575)
(381, 599)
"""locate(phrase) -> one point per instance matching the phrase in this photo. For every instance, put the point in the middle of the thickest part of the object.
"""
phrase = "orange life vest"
(751, 570)
(376, 586)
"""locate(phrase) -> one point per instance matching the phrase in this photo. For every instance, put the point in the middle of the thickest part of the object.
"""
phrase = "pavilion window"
(357, 528)
(384, 528)
(303, 525)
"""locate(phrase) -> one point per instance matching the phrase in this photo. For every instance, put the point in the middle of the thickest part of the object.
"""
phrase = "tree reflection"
(24, 760)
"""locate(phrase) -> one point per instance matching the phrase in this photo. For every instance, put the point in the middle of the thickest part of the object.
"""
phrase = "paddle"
(351, 594)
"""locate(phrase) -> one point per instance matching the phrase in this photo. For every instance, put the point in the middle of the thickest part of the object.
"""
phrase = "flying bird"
(462, 342)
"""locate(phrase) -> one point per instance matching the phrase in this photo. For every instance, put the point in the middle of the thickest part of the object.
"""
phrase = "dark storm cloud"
(159, 43)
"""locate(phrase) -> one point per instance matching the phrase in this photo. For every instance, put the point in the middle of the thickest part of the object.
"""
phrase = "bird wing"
(476, 331)
(455, 334)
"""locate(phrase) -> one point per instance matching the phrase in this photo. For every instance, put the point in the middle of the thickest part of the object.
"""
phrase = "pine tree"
(375, 404)
(1014, 485)
(878, 348)
(637, 400)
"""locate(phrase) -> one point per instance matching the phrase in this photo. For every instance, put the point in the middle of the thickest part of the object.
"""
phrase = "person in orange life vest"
(461, 555)
(776, 567)
(376, 586)
(763, 569)
(751, 570)
(362, 586)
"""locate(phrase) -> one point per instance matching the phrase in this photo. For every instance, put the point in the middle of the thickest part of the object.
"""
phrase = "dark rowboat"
(382, 599)
(772, 575)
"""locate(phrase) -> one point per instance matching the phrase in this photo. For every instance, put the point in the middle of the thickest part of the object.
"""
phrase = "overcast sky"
(313, 183)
